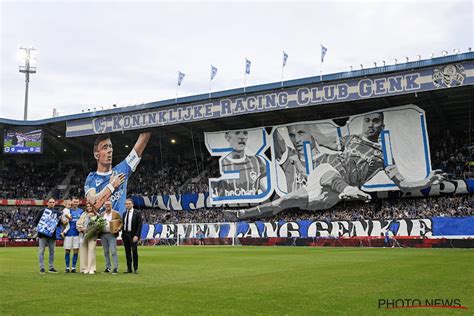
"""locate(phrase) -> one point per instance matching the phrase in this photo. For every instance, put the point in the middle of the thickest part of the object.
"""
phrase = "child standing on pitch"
(65, 218)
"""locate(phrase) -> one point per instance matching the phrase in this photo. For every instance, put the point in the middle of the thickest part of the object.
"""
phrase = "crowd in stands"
(403, 208)
(453, 154)
(76, 186)
(166, 180)
(173, 178)
(17, 222)
(28, 181)
(205, 215)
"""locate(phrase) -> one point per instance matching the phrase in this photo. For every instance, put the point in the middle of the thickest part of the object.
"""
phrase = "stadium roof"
(445, 107)
(258, 88)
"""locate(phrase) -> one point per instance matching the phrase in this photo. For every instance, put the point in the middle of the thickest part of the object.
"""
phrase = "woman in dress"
(87, 247)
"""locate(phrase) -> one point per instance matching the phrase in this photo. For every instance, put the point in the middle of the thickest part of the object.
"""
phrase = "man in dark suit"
(131, 232)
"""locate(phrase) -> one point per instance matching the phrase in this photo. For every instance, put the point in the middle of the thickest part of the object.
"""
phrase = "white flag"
(180, 77)
(247, 66)
(285, 58)
(323, 52)
(213, 72)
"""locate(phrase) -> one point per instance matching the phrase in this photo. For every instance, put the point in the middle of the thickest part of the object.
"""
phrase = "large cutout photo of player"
(340, 175)
(110, 183)
(245, 175)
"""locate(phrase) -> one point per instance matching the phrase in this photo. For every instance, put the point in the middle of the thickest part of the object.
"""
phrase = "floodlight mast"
(27, 69)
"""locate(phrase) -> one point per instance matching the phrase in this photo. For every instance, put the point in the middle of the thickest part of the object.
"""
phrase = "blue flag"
(323, 52)
(247, 66)
(213, 72)
(180, 77)
(285, 58)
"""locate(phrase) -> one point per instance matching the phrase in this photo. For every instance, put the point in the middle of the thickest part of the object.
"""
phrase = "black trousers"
(130, 250)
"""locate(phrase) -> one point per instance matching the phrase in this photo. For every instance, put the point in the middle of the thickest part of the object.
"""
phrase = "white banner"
(316, 161)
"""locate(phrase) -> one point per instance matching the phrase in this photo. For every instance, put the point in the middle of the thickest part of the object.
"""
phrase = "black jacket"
(136, 223)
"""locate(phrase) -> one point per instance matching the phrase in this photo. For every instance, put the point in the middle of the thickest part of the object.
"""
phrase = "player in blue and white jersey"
(109, 183)
(71, 240)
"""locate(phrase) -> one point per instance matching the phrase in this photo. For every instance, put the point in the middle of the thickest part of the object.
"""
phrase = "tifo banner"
(246, 172)
(425, 228)
(179, 202)
(431, 78)
(192, 201)
(315, 161)
(446, 187)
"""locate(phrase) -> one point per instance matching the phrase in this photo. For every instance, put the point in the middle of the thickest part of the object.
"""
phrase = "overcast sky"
(99, 53)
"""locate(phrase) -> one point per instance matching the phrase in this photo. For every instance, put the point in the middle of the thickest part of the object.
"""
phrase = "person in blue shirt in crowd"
(71, 241)
(109, 183)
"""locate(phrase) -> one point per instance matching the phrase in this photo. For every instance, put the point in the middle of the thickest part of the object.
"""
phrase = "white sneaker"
(91, 272)
(86, 272)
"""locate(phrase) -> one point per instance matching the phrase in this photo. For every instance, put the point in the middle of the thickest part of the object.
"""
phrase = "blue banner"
(436, 227)
(453, 226)
(48, 223)
(179, 202)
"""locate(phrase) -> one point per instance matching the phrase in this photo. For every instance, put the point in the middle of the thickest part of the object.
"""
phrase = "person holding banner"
(340, 175)
(109, 183)
(109, 237)
(46, 223)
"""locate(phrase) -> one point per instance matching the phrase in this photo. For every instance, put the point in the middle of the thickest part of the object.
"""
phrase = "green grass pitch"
(240, 280)
(28, 144)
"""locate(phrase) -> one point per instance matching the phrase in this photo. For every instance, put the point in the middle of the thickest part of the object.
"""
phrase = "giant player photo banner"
(314, 164)
(246, 172)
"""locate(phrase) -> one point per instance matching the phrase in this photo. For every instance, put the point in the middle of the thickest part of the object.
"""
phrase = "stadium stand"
(185, 166)
(450, 152)
(16, 222)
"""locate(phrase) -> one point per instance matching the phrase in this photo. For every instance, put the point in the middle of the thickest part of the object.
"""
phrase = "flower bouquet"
(95, 228)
